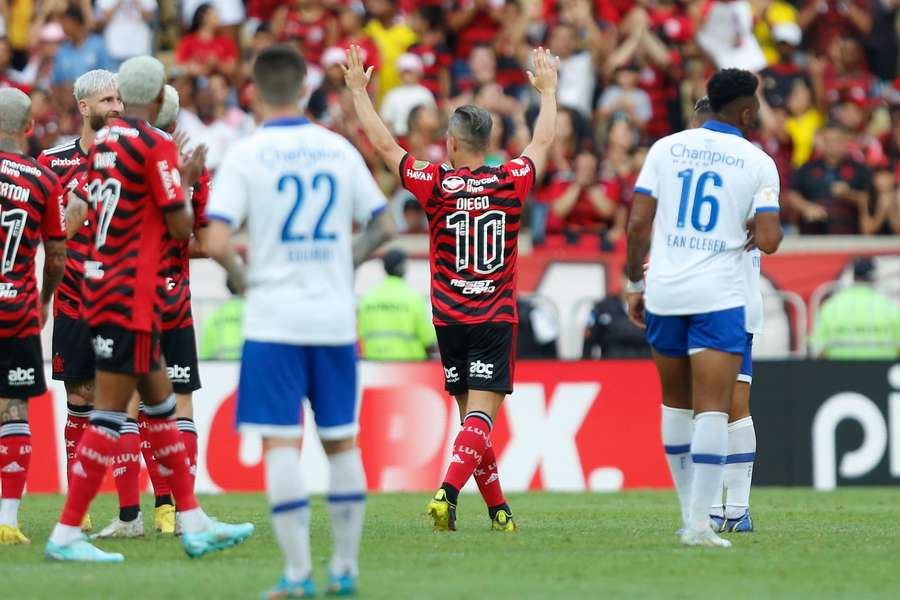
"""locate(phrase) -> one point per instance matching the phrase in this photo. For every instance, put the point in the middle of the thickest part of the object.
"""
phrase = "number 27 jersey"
(473, 222)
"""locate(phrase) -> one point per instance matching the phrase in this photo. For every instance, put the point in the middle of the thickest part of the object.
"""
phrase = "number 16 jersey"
(473, 223)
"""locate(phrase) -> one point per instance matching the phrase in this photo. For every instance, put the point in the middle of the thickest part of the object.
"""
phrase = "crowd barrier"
(569, 426)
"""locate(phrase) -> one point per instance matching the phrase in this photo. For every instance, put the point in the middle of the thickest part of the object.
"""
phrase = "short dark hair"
(471, 125)
(433, 16)
(729, 85)
(702, 106)
(74, 13)
(278, 72)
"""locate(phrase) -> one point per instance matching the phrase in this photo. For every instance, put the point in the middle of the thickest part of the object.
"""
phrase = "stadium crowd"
(630, 73)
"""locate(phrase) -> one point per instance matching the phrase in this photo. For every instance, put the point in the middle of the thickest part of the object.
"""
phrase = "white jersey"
(299, 188)
(707, 182)
(753, 310)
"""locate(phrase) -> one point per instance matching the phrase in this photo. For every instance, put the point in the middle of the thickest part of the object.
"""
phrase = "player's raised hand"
(181, 139)
(543, 78)
(192, 166)
(355, 74)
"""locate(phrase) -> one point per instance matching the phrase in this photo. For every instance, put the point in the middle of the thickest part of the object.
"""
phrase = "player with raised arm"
(734, 515)
(73, 356)
(298, 188)
(474, 213)
(698, 196)
(135, 201)
(30, 214)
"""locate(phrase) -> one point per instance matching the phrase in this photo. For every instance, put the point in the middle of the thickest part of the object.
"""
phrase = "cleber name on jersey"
(693, 242)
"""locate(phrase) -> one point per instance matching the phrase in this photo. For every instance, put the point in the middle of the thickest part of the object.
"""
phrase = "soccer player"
(299, 188)
(30, 214)
(699, 195)
(136, 199)
(73, 356)
(734, 515)
(473, 214)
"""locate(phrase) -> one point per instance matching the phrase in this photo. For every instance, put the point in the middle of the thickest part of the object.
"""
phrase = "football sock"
(708, 448)
(188, 432)
(160, 484)
(677, 429)
(169, 451)
(15, 457)
(289, 504)
(76, 424)
(126, 468)
(347, 508)
(739, 467)
(92, 457)
(488, 479)
(162, 500)
(468, 451)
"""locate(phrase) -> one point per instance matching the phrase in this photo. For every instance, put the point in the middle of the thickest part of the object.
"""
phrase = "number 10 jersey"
(473, 222)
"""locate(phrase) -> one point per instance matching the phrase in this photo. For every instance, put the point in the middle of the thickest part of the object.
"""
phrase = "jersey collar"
(286, 122)
(722, 128)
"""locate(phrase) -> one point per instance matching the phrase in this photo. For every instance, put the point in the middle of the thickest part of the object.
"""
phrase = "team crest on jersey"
(452, 185)
(420, 165)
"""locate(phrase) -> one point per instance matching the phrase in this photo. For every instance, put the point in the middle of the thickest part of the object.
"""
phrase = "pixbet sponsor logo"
(103, 347)
(179, 373)
(65, 162)
(20, 376)
(481, 370)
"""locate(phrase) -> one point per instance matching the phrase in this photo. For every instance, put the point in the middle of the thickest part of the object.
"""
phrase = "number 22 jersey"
(473, 222)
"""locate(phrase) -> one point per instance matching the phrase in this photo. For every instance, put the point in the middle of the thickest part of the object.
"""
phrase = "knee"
(338, 446)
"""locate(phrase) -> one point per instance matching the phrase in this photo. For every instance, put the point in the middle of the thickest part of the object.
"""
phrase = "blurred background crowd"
(630, 72)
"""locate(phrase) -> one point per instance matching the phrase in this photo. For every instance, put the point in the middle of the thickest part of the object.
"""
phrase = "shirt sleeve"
(419, 177)
(765, 199)
(368, 199)
(163, 176)
(648, 179)
(228, 197)
(53, 223)
(522, 172)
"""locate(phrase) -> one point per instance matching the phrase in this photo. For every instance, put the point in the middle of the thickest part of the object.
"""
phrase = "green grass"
(808, 545)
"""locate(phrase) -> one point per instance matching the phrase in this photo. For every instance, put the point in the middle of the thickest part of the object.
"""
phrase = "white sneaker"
(705, 537)
(122, 529)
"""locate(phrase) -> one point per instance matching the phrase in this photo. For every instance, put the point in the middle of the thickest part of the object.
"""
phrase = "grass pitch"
(844, 544)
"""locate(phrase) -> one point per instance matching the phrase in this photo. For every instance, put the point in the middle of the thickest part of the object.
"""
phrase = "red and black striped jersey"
(176, 271)
(29, 213)
(473, 222)
(132, 180)
(69, 163)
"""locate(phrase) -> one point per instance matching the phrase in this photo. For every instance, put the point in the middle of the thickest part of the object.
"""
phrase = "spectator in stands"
(221, 122)
(881, 42)
(803, 120)
(38, 72)
(9, 76)
(428, 24)
(307, 23)
(325, 103)
(845, 72)
(351, 20)
(205, 49)
(858, 322)
(223, 330)
(610, 333)
(830, 192)
(480, 85)
(399, 102)
(883, 216)
(126, 27)
(538, 331)
(474, 23)
(413, 218)
(772, 14)
(425, 134)
(81, 52)
(577, 77)
(394, 320)
(824, 20)
(624, 95)
(726, 35)
(231, 13)
(584, 206)
(392, 36)
(779, 77)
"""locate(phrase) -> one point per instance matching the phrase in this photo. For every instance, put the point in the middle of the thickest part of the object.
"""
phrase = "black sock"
(160, 500)
(452, 493)
(129, 513)
(493, 510)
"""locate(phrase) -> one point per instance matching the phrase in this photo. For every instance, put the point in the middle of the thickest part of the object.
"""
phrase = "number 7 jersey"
(473, 223)
(707, 183)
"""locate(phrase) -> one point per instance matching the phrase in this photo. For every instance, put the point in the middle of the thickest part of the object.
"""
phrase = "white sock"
(194, 520)
(63, 535)
(677, 428)
(708, 448)
(289, 503)
(739, 466)
(347, 508)
(9, 512)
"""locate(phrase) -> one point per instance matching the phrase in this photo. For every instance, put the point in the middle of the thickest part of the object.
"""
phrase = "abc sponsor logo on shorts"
(179, 374)
(481, 370)
(103, 347)
(451, 374)
(20, 376)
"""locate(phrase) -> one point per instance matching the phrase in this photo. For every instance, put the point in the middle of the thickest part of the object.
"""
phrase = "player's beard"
(99, 121)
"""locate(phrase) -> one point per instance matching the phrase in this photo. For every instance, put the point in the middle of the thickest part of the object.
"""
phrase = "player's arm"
(357, 79)
(544, 79)
(227, 209)
(180, 220)
(377, 231)
(219, 247)
(54, 239)
(764, 229)
(640, 231)
(76, 213)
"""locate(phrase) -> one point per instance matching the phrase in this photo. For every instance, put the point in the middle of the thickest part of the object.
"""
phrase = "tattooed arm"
(54, 265)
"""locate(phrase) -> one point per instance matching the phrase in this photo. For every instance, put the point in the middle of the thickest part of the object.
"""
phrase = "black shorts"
(179, 347)
(21, 368)
(120, 350)
(73, 351)
(478, 357)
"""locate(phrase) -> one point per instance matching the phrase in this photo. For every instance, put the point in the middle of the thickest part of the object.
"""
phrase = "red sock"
(160, 483)
(189, 436)
(127, 466)
(15, 457)
(488, 479)
(92, 457)
(76, 423)
(468, 448)
(170, 452)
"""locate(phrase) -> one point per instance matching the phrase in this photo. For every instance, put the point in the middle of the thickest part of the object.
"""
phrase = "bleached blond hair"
(15, 110)
(140, 80)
